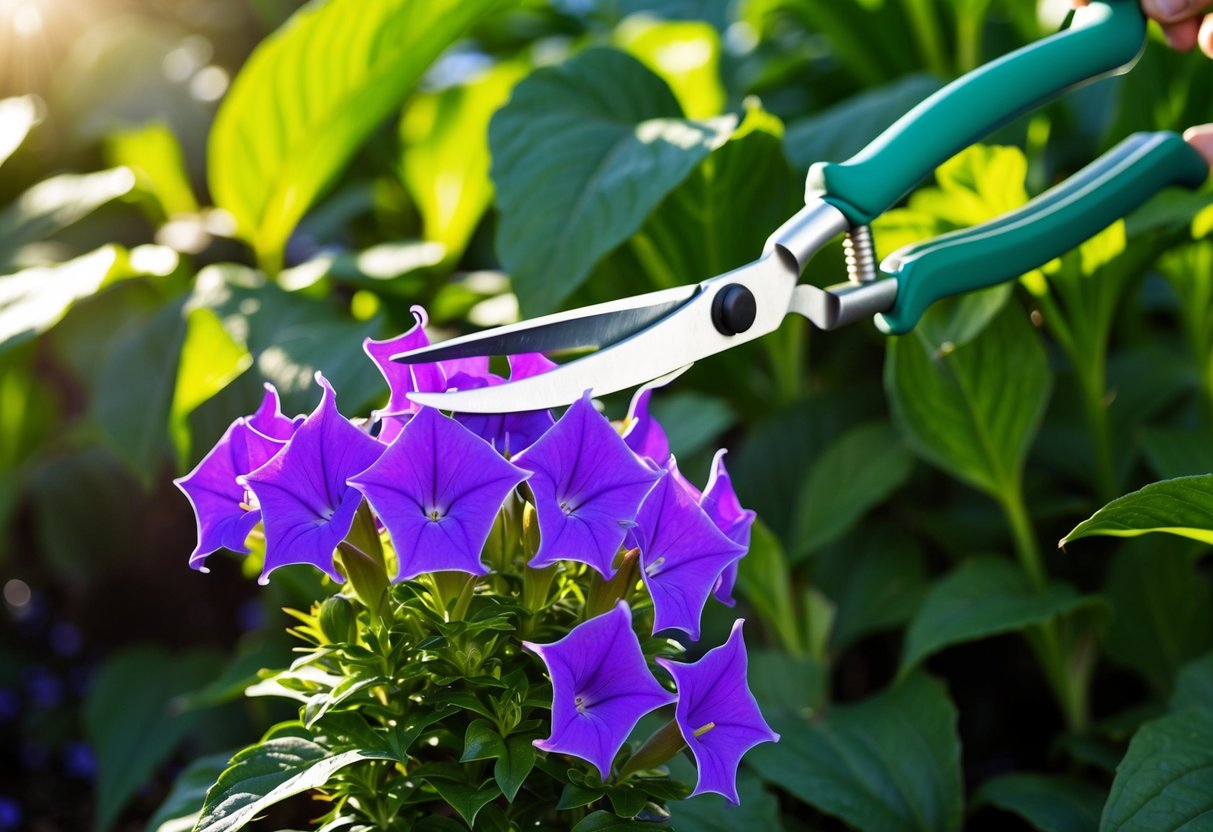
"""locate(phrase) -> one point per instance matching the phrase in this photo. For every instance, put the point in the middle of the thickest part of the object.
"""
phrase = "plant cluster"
(421, 694)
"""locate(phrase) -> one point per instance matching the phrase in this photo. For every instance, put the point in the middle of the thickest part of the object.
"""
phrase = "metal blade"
(677, 341)
(589, 326)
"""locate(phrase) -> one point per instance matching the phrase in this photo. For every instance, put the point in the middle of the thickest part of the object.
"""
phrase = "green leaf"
(512, 767)
(1049, 803)
(839, 132)
(465, 798)
(1163, 609)
(615, 132)
(791, 685)
(34, 300)
(446, 154)
(482, 742)
(758, 810)
(210, 360)
(764, 580)
(685, 53)
(1194, 685)
(1178, 452)
(183, 806)
(133, 396)
(1182, 506)
(877, 579)
(309, 96)
(888, 764)
(692, 420)
(153, 153)
(18, 115)
(266, 773)
(972, 410)
(856, 472)
(54, 204)
(982, 597)
(1165, 782)
(598, 821)
(131, 720)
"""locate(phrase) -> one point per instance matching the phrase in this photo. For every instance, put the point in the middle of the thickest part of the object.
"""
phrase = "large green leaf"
(309, 96)
(983, 597)
(54, 204)
(153, 153)
(131, 721)
(888, 764)
(763, 579)
(266, 773)
(855, 473)
(1163, 608)
(446, 154)
(582, 154)
(758, 810)
(972, 410)
(1165, 782)
(1182, 506)
(181, 809)
(1050, 804)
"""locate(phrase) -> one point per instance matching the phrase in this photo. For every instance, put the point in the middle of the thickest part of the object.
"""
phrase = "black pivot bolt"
(734, 309)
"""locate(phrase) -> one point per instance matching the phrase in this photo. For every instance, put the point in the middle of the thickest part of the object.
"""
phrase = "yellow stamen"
(699, 732)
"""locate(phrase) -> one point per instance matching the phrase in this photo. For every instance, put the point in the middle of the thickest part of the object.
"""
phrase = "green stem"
(970, 27)
(657, 749)
(604, 594)
(1095, 408)
(924, 22)
(1026, 548)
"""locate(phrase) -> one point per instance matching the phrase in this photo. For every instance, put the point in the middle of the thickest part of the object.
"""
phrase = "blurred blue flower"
(251, 615)
(45, 688)
(10, 813)
(65, 639)
(10, 704)
(79, 761)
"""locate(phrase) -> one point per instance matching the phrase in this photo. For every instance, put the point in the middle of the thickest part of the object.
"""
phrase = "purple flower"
(509, 433)
(437, 489)
(682, 554)
(717, 714)
(307, 506)
(403, 379)
(587, 486)
(644, 434)
(719, 501)
(601, 687)
(223, 509)
(268, 419)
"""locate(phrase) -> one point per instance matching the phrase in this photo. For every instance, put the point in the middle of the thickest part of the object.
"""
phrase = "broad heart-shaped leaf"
(973, 410)
(582, 154)
(759, 810)
(855, 473)
(266, 773)
(446, 154)
(55, 203)
(309, 96)
(181, 809)
(1182, 506)
(888, 764)
(1050, 804)
(1165, 781)
(983, 597)
(1162, 608)
(131, 721)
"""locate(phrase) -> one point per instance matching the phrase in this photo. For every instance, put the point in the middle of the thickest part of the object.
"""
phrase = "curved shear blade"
(674, 342)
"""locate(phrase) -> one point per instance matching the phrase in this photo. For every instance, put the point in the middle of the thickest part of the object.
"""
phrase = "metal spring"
(861, 254)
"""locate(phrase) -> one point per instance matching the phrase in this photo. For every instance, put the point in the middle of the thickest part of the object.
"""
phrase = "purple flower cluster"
(436, 485)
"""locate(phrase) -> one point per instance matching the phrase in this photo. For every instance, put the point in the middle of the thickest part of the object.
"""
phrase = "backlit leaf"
(685, 53)
(1182, 506)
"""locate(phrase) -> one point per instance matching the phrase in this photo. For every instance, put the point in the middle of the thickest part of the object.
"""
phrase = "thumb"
(1201, 138)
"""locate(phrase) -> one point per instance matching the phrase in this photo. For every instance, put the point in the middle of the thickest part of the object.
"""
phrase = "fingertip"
(1205, 37)
(1181, 36)
(1201, 138)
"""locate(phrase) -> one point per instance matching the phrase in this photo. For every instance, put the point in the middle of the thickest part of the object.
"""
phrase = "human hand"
(1185, 23)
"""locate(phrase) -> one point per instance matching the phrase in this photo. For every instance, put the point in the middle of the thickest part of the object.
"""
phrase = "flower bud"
(339, 619)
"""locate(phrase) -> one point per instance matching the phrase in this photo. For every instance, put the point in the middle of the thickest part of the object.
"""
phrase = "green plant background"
(169, 241)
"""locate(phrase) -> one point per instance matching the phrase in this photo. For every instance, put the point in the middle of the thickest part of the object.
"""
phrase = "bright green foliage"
(889, 763)
(308, 98)
(153, 153)
(1182, 506)
(686, 54)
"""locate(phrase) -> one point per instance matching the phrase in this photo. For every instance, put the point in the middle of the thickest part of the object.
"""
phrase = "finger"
(1173, 11)
(1078, 4)
(1201, 138)
(1205, 36)
(1181, 36)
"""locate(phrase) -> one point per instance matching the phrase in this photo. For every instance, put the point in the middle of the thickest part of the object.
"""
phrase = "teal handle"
(1045, 228)
(1106, 38)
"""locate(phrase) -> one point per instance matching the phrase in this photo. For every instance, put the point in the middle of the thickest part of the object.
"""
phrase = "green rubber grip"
(1043, 229)
(1106, 39)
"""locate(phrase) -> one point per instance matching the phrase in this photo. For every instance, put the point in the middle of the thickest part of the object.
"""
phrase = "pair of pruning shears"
(648, 337)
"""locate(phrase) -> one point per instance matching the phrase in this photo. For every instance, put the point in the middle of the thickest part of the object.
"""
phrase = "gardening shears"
(648, 337)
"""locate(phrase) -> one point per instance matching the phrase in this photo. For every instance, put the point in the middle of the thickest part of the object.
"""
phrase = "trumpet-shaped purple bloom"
(717, 714)
(588, 486)
(403, 379)
(222, 506)
(268, 419)
(682, 555)
(509, 433)
(307, 506)
(437, 489)
(601, 687)
(644, 434)
(719, 501)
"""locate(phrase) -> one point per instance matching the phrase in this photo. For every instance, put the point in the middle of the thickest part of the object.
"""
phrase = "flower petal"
(719, 501)
(268, 419)
(644, 434)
